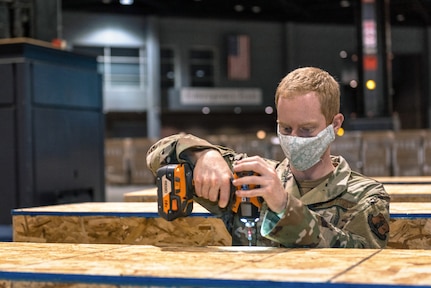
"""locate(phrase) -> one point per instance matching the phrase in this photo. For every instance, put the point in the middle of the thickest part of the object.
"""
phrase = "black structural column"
(376, 63)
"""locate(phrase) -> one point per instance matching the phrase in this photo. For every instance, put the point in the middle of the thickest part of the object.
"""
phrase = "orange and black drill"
(175, 196)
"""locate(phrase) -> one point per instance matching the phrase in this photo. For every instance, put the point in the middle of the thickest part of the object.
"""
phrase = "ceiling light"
(256, 9)
(401, 18)
(238, 8)
(126, 2)
(345, 3)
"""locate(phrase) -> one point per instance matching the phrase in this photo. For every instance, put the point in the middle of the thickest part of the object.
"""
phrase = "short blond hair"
(312, 79)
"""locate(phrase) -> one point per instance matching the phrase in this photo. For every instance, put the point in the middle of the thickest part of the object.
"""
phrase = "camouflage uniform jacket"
(346, 210)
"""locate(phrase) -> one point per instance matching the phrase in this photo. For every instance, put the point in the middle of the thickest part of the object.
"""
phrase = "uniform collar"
(328, 189)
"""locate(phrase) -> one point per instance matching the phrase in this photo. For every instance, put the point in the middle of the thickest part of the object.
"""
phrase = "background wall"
(276, 48)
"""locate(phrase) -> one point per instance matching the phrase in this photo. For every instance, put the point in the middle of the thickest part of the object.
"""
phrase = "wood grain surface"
(82, 265)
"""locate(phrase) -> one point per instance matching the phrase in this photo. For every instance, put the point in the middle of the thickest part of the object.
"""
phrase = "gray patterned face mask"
(304, 152)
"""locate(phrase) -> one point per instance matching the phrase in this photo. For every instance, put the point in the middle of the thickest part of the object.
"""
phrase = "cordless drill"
(175, 196)
(174, 191)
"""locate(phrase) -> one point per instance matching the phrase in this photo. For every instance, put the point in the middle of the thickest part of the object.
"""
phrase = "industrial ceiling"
(402, 12)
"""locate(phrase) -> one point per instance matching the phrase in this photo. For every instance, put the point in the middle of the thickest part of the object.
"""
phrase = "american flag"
(238, 66)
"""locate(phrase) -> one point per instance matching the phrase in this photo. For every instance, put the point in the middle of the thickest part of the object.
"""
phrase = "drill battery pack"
(175, 191)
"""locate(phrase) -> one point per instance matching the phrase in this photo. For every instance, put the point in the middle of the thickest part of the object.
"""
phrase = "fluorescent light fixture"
(126, 2)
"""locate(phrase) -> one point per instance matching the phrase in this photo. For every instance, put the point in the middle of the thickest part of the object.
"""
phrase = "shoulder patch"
(378, 225)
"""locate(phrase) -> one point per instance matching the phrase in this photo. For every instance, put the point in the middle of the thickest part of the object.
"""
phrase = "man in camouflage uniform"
(311, 199)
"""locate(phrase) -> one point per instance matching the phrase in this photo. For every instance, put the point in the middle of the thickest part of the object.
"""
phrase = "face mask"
(304, 152)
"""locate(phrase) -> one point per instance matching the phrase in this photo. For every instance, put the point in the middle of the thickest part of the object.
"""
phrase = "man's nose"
(294, 132)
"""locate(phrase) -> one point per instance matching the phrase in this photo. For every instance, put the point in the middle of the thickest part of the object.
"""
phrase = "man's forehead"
(306, 123)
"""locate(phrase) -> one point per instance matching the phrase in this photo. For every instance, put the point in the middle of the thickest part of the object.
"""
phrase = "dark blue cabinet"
(51, 128)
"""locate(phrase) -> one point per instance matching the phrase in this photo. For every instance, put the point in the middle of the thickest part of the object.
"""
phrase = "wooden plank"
(116, 223)
(144, 195)
(409, 192)
(139, 223)
(410, 210)
(391, 268)
(148, 265)
(410, 226)
(404, 179)
(89, 265)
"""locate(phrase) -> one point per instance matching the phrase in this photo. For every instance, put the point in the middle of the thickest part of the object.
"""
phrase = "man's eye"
(306, 132)
(285, 131)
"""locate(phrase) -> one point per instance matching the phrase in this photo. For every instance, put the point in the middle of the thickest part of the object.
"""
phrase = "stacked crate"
(125, 161)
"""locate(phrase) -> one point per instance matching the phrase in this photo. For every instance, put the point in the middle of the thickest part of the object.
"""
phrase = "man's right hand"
(212, 177)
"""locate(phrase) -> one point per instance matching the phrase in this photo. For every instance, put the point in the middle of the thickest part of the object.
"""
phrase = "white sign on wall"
(220, 96)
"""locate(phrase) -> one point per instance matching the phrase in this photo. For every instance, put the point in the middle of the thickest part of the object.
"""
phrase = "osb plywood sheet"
(303, 265)
(70, 224)
(410, 209)
(116, 223)
(195, 231)
(22, 254)
(149, 266)
(409, 192)
(145, 195)
(100, 207)
(403, 179)
(202, 264)
(410, 225)
(410, 234)
(174, 262)
(392, 267)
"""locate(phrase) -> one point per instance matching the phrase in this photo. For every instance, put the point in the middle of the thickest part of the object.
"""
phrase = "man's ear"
(338, 121)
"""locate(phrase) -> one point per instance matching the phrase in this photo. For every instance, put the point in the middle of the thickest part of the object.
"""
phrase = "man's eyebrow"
(305, 124)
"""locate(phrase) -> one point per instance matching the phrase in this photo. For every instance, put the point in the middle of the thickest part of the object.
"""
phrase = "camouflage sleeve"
(365, 225)
(296, 227)
(171, 150)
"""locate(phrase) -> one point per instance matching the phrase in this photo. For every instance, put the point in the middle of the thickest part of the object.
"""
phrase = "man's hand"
(212, 177)
(270, 188)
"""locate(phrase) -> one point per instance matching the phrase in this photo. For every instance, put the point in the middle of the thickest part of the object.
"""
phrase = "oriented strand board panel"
(116, 223)
(150, 266)
(86, 265)
(145, 195)
(409, 192)
(410, 234)
(317, 266)
(404, 179)
(410, 225)
(138, 223)
(410, 210)
(392, 267)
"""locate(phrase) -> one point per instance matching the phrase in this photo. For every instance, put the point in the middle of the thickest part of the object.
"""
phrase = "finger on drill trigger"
(248, 193)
